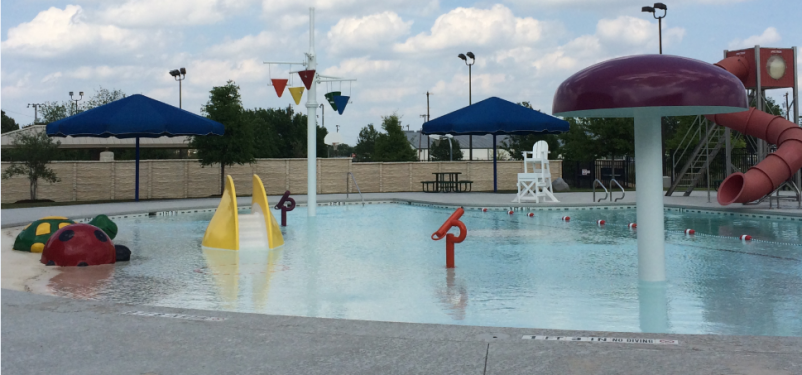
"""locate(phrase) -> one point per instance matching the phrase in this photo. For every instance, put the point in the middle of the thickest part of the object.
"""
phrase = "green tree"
(441, 151)
(366, 143)
(30, 153)
(236, 145)
(393, 145)
(8, 123)
(102, 96)
(283, 134)
(54, 111)
(593, 138)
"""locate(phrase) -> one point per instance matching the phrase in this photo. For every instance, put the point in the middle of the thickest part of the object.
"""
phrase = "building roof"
(102, 143)
(479, 141)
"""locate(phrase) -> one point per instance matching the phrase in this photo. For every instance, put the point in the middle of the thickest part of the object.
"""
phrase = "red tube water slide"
(778, 167)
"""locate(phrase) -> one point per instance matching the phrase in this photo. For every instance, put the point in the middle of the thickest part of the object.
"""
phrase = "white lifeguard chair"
(537, 183)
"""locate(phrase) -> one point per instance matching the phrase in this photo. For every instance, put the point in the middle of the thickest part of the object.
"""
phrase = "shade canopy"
(133, 117)
(495, 116)
(660, 84)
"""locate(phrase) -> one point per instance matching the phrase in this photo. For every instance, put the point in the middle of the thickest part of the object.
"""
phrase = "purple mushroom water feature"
(648, 87)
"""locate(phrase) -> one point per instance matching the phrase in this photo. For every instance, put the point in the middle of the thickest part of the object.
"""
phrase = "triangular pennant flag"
(308, 76)
(297, 92)
(279, 84)
(330, 97)
(341, 101)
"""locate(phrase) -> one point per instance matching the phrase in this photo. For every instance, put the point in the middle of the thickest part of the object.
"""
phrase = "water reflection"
(81, 282)
(243, 277)
(454, 298)
(653, 307)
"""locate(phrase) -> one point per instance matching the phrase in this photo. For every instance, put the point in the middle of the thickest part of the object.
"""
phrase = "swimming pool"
(378, 262)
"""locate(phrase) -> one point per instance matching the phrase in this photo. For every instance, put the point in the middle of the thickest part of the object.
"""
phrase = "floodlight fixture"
(653, 10)
(179, 75)
(470, 54)
(647, 10)
(660, 6)
(462, 56)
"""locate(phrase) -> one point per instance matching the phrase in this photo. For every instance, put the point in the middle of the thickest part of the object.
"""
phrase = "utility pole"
(428, 118)
(35, 110)
(787, 108)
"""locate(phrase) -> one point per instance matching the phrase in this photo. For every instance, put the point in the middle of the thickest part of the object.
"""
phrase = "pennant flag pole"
(279, 84)
(297, 92)
(330, 97)
(341, 102)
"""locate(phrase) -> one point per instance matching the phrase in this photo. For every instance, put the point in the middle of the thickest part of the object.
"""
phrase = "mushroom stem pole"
(649, 186)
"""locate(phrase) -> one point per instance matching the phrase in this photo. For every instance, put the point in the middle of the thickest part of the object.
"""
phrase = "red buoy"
(565, 218)
(531, 214)
(484, 210)
(632, 225)
(690, 232)
(600, 222)
(746, 237)
(509, 212)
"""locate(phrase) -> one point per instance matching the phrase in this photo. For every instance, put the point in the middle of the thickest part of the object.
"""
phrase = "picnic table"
(446, 182)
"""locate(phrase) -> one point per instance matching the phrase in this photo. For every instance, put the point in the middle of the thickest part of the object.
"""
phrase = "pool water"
(378, 262)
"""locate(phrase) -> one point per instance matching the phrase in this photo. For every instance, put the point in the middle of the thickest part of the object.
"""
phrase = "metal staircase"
(711, 140)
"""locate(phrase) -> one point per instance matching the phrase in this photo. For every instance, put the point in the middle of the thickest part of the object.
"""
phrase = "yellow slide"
(229, 230)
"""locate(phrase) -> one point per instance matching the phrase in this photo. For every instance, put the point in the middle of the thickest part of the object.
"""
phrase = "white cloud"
(473, 27)
(334, 9)
(769, 37)
(248, 46)
(139, 13)
(55, 31)
(371, 32)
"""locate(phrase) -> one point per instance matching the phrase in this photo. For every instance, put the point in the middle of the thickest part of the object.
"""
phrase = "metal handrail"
(623, 193)
(606, 193)
(796, 191)
(348, 187)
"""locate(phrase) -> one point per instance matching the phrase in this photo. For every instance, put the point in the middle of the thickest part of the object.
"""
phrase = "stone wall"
(169, 179)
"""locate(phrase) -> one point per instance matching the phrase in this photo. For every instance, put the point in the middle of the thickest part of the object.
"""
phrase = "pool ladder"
(348, 187)
(606, 192)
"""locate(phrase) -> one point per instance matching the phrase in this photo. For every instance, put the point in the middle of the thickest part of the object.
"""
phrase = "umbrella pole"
(495, 175)
(136, 188)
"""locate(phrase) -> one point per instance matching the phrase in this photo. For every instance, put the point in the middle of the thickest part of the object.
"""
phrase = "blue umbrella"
(498, 117)
(134, 117)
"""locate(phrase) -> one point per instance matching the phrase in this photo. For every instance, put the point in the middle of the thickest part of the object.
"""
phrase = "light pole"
(81, 93)
(473, 60)
(653, 11)
(35, 107)
(179, 75)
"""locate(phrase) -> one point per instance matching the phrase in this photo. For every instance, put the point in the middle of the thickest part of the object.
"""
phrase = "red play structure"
(453, 221)
(762, 68)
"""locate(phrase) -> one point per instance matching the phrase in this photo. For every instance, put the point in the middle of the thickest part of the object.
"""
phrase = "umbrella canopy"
(133, 117)
(495, 116)
(136, 116)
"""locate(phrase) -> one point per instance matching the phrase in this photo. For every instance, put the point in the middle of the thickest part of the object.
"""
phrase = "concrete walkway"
(53, 335)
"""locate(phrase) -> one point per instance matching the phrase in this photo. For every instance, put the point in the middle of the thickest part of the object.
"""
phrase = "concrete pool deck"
(44, 334)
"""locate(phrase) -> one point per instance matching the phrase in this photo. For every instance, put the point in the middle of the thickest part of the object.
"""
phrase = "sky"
(397, 50)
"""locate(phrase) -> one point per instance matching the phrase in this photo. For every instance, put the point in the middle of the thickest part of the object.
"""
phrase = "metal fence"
(581, 174)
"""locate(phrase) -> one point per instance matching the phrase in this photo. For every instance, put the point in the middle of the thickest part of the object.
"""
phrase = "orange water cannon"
(451, 239)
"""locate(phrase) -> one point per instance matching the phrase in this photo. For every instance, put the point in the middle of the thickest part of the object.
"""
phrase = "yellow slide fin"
(223, 230)
(259, 197)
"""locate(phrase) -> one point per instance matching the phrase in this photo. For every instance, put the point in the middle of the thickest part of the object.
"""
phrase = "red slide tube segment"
(736, 65)
(778, 167)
